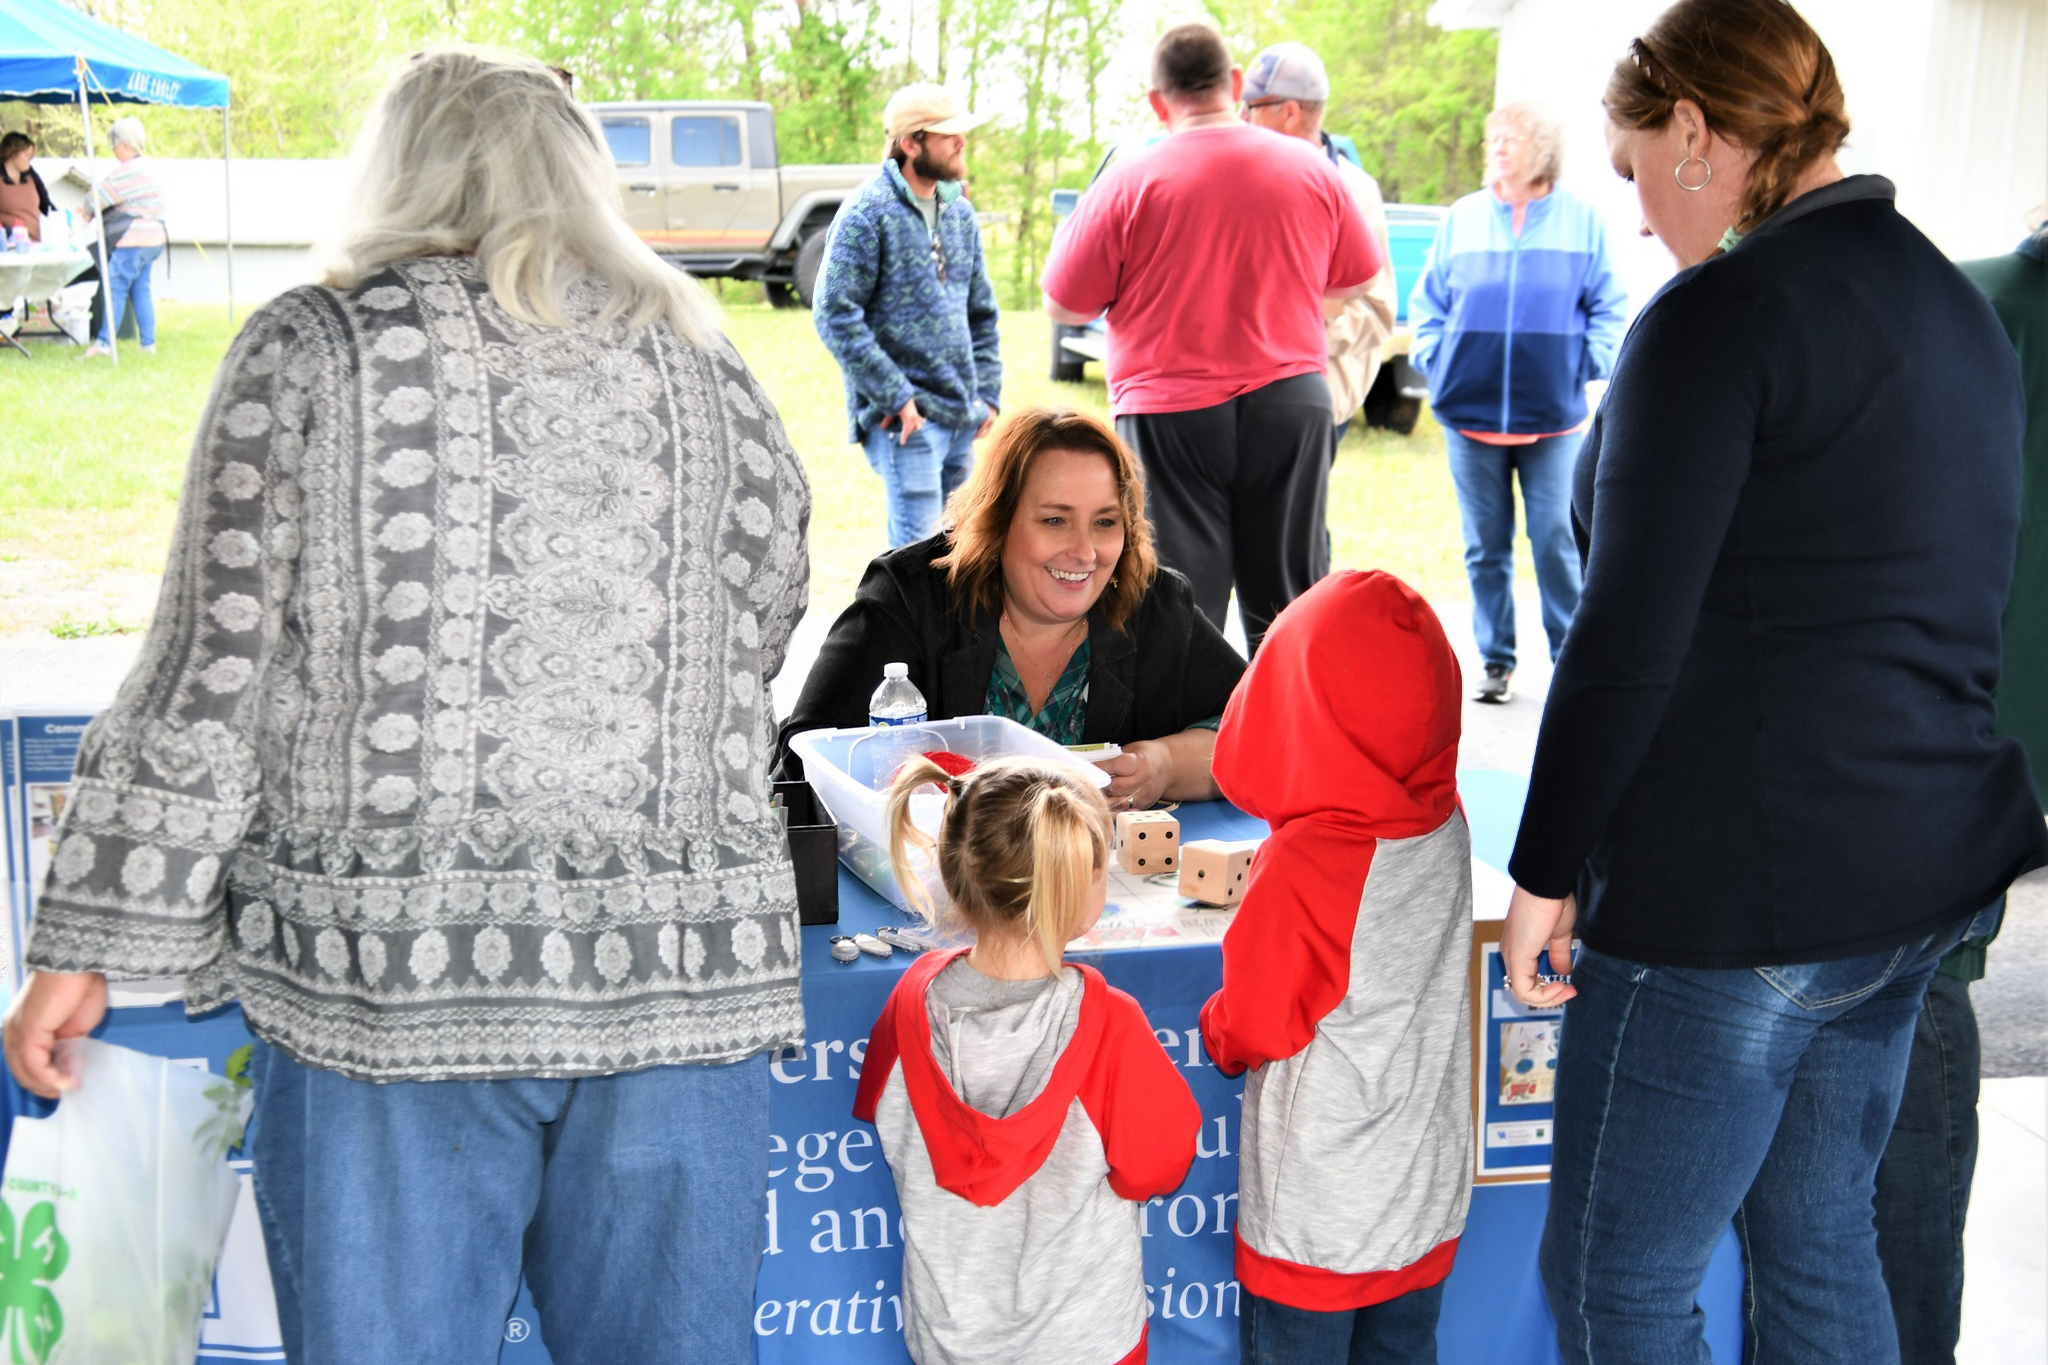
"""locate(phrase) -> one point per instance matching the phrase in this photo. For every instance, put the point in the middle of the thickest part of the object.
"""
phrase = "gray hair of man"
(468, 152)
(127, 132)
(1544, 133)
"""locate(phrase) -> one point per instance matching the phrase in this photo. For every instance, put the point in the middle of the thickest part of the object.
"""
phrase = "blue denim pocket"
(1829, 985)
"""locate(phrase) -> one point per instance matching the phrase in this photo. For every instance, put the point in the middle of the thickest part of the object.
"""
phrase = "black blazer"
(1165, 670)
(1770, 736)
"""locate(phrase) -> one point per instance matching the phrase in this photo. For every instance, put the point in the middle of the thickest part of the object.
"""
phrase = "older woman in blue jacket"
(1518, 308)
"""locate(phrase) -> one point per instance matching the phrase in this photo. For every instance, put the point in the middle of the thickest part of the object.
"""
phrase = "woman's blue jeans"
(1485, 476)
(1688, 1097)
(399, 1217)
(128, 281)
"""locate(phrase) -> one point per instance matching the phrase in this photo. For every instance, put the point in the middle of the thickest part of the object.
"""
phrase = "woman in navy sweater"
(1767, 794)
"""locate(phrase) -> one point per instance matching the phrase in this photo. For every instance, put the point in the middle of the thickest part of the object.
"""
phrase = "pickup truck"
(1397, 392)
(700, 183)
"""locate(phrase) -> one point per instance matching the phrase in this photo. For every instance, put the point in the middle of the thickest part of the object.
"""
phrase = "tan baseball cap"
(926, 109)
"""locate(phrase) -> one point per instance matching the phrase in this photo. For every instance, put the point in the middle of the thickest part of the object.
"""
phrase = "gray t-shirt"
(928, 205)
(995, 1040)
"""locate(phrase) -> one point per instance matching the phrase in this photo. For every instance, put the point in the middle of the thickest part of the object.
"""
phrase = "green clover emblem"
(28, 1309)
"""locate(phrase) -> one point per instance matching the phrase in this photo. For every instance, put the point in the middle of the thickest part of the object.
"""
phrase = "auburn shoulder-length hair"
(982, 510)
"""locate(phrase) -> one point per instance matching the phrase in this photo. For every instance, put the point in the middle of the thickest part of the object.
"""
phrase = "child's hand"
(1536, 925)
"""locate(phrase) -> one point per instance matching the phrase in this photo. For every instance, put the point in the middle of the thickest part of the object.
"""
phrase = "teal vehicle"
(1397, 393)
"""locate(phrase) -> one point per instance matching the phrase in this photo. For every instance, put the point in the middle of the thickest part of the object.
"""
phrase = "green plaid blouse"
(1066, 708)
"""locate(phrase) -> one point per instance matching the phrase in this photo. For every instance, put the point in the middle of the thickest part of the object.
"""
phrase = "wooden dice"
(1214, 871)
(1147, 842)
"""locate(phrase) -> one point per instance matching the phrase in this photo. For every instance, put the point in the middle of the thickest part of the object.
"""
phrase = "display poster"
(13, 891)
(1514, 1073)
(45, 748)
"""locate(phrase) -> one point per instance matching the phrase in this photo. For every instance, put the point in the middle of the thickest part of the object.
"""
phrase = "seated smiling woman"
(1043, 602)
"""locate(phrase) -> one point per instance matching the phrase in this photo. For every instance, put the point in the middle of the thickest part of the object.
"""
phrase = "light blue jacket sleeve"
(1429, 305)
(1605, 302)
(846, 287)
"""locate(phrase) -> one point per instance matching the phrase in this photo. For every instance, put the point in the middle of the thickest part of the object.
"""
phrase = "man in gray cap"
(1286, 90)
(905, 306)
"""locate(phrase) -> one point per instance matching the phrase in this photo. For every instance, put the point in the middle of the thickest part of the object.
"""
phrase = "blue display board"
(829, 1288)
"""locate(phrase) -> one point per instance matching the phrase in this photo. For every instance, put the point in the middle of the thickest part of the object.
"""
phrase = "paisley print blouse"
(447, 752)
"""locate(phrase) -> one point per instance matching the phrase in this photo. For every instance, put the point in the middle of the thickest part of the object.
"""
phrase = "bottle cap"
(896, 670)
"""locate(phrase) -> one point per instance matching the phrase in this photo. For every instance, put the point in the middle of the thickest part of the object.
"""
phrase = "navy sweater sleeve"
(1669, 454)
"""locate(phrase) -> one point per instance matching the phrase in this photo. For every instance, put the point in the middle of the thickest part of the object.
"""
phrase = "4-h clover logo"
(28, 1308)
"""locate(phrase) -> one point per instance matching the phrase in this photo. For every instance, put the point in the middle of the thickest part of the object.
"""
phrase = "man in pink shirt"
(1212, 253)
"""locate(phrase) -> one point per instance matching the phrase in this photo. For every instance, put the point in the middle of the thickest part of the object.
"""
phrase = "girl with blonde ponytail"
(1026, 1108)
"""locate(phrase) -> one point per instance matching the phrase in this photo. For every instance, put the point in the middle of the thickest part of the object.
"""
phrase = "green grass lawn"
(90, 472)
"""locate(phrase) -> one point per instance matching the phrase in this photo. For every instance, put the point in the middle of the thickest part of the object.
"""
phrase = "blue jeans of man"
(1401, 1331)
(128, 281)
(399, 1217)
(1485, 477)
(1687, 1097)
(918, 475)
(1923, 1183)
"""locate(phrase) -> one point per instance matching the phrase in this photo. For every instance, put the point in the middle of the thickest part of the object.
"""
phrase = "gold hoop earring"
(1678, 174)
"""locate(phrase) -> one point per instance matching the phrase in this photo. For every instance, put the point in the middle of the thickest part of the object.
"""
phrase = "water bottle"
(897, 701)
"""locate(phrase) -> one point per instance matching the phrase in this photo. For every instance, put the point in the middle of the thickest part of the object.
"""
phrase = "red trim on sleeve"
(1287, 955)
(1140, 1104)
(1328, 1291)
(1137, 1355)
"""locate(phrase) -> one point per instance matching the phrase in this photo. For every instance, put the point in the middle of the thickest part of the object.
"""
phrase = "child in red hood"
(1344, 978)
(1025, 1107)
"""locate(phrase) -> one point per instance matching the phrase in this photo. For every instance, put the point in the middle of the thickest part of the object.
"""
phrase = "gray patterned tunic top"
(446, 754)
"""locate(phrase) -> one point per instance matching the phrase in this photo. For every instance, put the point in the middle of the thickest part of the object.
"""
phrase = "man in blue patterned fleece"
(905, 306)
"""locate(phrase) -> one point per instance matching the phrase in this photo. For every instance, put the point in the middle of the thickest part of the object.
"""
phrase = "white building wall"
(1947, 98)
(281, 209)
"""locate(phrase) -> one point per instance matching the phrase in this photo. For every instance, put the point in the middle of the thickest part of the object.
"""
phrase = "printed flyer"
(1514, 1071)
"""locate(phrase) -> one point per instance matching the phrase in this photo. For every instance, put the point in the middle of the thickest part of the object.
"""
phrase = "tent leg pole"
(99, 223)
(227, 195)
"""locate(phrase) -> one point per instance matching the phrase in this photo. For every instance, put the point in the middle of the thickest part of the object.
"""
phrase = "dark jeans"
(1235, 493)
(1687, 1097)
(1401, 1331)
(1923, 1183)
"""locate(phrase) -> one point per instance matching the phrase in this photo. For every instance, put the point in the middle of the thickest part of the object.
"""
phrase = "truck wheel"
(810, 259)
(1066, 368)
(782, 294)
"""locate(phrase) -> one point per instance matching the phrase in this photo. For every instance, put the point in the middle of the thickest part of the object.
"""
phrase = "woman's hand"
(1536, 924)
(1139, 775)
(1175, 768)
(53, 1005)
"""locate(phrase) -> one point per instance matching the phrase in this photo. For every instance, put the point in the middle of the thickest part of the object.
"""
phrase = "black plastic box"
(814, 851)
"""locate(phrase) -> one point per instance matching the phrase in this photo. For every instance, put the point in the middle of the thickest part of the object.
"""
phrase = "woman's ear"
(1691, 123)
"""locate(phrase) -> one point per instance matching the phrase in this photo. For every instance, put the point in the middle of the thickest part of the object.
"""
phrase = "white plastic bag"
(113, 1210)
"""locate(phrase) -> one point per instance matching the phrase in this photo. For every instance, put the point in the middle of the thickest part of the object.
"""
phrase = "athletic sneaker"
(1494, 687)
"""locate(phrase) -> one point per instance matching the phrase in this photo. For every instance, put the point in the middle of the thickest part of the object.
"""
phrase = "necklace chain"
(1051, 671)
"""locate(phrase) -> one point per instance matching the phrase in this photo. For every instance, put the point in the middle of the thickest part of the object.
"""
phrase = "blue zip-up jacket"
(1509, 330)
(895, 328)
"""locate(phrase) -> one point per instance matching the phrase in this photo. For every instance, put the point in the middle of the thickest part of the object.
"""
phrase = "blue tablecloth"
(830, 1277)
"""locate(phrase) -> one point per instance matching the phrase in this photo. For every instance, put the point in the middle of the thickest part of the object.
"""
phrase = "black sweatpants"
(1236, 492)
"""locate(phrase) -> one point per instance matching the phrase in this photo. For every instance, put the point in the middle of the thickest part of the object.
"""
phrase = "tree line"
(1412, 96)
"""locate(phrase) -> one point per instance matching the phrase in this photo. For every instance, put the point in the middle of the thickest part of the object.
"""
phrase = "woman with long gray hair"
(446, 757)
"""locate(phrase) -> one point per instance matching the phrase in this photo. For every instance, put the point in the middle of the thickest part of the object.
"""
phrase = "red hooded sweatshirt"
(1345, 972)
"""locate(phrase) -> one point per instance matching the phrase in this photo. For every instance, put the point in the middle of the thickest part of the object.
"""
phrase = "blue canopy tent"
(53, 54)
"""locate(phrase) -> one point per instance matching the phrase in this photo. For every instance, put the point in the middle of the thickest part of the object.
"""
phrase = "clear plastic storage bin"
(850, 771)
